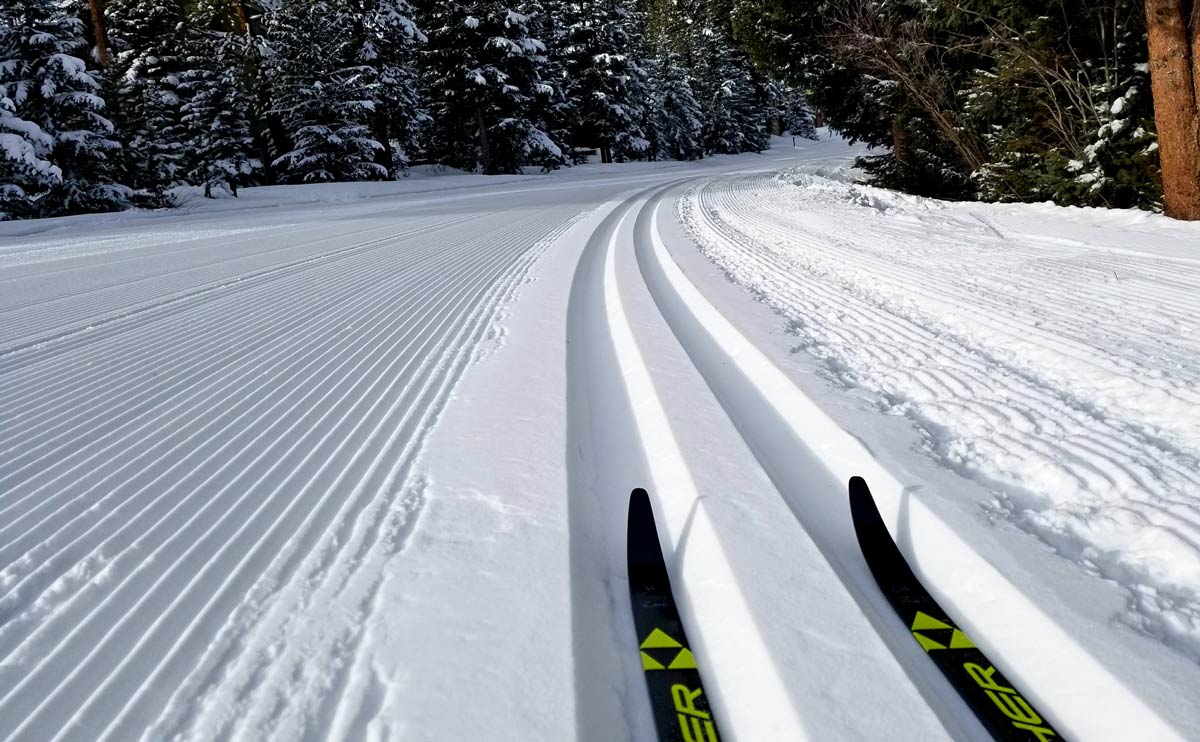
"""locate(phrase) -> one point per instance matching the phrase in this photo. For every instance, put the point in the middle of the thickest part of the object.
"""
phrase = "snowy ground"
(352, 462)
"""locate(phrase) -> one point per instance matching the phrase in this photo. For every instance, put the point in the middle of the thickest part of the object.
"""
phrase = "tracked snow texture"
(207, 455)
(352, 461)
(1050, 354)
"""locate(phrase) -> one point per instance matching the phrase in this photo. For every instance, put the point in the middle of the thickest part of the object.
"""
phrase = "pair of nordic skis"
(681, 710)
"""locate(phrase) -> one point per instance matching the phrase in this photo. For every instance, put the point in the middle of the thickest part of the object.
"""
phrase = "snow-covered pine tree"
(484, 76)
(729, 93)
(23, 172)
(217, 116)
(383, 40)
(606, 77)
(150, 39)
(798, 118)
(324, 105)
(678, 124)
(56, 140)
(552, 110)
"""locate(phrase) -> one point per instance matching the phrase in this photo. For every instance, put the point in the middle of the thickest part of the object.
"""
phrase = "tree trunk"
(383, 157)
(1175, 81)
(98, 29)
(485, 152)
(899, 148)
(242, 18)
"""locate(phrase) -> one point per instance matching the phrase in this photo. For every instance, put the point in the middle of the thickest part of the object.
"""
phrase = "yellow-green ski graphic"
(681, 710)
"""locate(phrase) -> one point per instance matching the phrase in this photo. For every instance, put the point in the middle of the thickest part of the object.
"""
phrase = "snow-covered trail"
(356, 468)
(781, 452)
(210, 426)
(1052, 361)
(171, 463)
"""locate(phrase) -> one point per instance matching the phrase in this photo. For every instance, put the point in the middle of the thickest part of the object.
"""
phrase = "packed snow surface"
(351, 462)
(1049, 354)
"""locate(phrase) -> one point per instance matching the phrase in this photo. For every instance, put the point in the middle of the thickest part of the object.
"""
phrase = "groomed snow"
(1048, 354)
(351, 462)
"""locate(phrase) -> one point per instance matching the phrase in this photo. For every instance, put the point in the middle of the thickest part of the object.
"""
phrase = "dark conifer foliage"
(216, 117)
(986, 99)
(151, 42)
(484, 74)
(1011, 100)
(57, 147)
(678, 121)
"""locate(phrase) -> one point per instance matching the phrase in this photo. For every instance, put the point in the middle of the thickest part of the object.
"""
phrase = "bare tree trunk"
(98, 28)
(243, 18)
(485, 151)
(899, 150)
(1175, 82)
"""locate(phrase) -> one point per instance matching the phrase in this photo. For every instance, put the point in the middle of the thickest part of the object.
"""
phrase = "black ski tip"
(638, 498)
(642, 534)
(862, 503)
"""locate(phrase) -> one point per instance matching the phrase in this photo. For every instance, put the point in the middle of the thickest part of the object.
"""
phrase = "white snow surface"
(351, 462)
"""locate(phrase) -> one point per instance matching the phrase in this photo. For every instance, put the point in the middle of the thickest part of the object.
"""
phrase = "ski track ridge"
(1104, 430)
(101, 560)
(776, 420)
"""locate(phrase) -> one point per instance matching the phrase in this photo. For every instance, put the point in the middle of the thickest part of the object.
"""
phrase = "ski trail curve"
(790, 436)
(198, 499)
(628, 441)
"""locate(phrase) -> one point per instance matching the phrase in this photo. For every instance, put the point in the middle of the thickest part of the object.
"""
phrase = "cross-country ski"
(1004, 711)
(440, 370)
(681, 711)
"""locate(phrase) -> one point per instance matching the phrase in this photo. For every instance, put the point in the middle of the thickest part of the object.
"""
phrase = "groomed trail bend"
(355, 462)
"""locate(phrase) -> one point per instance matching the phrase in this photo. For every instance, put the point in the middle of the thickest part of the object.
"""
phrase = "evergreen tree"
(484, 73)
(57, 144)
(606, 77)
(734, 107)
(677, 123)
(993, 99)
(797, 114)
(383, 52)
(217, 117)
(325, 105)
(23, 172)
(554, 111)
(151, 39)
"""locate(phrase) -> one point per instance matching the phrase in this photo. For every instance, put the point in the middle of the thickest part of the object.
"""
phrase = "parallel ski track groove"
(36, 534)
(81, 626)
(137, 359)
(192, 296)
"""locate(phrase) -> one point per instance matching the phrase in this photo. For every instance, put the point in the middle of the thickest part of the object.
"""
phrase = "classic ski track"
(737, 200)
(775, 417)
(147, 537)
(597, 312)
(1138, 460)
(185, 298)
